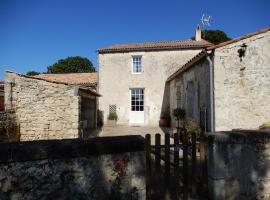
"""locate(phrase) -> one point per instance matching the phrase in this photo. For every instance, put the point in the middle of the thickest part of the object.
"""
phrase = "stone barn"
(226, 86)
(52, 106)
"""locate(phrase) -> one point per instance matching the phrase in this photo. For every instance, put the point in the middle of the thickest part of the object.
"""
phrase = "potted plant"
(165, 120)
(112, 118)
(180, 115)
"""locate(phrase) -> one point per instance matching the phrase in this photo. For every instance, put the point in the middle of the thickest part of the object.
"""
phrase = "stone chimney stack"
(198, 33)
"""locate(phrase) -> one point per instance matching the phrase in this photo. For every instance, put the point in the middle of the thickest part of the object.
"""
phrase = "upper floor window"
(136, 64)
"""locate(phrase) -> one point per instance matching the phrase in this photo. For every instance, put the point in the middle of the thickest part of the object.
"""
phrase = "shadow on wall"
(239, 165)
(72, 169)
(165, 108)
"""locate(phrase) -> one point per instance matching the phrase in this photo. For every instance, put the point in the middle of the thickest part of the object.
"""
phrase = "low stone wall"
(239, 165)
(101, 168)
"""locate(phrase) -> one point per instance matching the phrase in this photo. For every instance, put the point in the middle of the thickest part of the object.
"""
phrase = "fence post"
(176, 165)
(157, 166)
(185, 163)
(194, 163)
(203, 169)
(167, 161)
(148, 166)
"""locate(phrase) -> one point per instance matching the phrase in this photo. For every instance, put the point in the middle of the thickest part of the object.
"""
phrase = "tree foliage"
(74, 64)
(215, 36)
(32, 73)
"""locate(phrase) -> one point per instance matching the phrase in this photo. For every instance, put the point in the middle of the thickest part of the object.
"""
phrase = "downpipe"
(210, 62)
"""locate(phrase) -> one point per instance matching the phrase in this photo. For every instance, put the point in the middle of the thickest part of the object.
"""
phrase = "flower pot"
(164, 122)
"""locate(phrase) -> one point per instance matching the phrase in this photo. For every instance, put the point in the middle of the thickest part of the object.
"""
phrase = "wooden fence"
(175, 170)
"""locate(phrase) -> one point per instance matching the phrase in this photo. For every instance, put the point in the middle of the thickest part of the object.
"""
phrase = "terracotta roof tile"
(154, 46)
(71, 78)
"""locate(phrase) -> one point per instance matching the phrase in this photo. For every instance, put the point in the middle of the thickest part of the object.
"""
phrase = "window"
(136, 64)
(137, 101)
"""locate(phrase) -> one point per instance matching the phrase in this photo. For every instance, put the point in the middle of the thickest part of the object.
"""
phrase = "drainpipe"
(210, 62)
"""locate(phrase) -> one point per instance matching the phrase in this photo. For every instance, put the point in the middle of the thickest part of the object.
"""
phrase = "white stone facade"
(242, 89)
(116, 79)
(43, 110)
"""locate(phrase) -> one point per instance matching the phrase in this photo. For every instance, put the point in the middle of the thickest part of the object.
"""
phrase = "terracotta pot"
(164, 122)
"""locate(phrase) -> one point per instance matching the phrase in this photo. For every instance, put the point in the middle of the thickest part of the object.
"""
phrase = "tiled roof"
(154, 46)
(82, 84)
(71, 78)
(203, 53)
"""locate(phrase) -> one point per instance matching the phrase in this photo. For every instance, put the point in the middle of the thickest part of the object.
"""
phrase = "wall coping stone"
(239, 137)
(57, 149)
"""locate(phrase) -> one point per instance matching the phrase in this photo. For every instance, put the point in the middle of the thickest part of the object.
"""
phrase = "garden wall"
(101, 168)
(239, 165)
(44, 110)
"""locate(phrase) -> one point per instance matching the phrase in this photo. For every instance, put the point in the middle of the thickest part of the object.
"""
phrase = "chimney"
(198, 33)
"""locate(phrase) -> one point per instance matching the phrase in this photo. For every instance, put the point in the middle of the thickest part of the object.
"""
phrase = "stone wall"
(199, 77)
(73, 169)
(43, 110)
(242, 89)
(239, 165)
(116, 80)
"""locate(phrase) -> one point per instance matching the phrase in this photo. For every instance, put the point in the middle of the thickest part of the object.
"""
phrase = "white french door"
(136, 106)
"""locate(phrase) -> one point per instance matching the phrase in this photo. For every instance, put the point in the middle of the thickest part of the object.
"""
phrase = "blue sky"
(36, 33)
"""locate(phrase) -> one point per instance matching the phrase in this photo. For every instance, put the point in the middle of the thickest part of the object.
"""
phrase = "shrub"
(112, 116)
(179, 113)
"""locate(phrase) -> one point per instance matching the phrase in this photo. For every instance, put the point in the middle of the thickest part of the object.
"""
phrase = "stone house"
(52, 106)
(132, 77)
(226, 86)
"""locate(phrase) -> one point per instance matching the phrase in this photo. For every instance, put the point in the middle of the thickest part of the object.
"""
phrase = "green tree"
(74, 64)
(215, 36)
(32, 73)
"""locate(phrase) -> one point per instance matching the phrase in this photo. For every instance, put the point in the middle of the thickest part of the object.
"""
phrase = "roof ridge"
(237, 39)
(154, 42)
(67, 73)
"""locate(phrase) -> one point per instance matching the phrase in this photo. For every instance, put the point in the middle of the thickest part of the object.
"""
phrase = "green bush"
(112, 116)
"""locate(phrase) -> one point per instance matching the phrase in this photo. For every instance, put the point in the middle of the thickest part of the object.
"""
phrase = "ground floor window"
(137, 100)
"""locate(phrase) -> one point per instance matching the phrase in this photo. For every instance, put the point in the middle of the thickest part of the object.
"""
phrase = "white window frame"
(132, 64)
(143, 96)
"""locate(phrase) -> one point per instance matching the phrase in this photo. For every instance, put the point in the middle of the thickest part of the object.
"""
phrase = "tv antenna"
(205, 22)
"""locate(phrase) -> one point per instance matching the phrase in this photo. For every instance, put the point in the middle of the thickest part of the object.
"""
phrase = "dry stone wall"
(43, 110)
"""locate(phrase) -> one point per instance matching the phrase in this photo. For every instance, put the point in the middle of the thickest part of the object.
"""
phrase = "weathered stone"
(42, 107)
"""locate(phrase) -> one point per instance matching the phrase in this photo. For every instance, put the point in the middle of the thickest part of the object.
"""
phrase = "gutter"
(209, 57)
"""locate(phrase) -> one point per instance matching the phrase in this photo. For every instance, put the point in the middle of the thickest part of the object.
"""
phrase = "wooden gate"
(175, 168)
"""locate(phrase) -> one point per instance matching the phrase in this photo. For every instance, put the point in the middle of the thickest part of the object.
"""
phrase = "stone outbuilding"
(132, 77)
(52, 106)
(226, 86)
